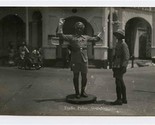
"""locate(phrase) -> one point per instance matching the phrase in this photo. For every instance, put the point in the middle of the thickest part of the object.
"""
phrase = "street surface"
(43, 92)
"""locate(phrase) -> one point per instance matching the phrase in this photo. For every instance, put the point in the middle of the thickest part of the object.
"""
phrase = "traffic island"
(82, 100)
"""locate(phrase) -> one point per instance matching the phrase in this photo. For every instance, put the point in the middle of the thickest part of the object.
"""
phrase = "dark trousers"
(120, 88)
(76, 82)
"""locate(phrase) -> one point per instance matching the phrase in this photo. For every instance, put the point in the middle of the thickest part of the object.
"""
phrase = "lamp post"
(110, 38)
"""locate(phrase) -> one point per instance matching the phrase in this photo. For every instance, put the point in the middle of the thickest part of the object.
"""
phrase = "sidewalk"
(43, 92)
(141, 63)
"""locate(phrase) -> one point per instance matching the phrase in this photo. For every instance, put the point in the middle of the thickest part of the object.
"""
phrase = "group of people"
(23, 58)
(79, 59)
(29, 59)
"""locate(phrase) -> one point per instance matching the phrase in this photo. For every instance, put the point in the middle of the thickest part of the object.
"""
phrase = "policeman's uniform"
(79, 58)
(120, 59)
(120, 62)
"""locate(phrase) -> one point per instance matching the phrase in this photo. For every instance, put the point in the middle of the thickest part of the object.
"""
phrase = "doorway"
(12, 31)
(36, 30)
(138, 38)
(68, 28)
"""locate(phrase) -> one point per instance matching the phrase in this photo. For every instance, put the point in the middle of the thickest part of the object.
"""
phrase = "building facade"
(37, 26)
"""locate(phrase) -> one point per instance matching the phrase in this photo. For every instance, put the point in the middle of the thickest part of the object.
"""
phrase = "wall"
(128, 14)
(51, 18)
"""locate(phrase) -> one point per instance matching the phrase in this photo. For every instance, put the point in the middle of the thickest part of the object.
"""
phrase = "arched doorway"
(36, 30)
(12, 31)
(68, 28)
(138, 38)
(70, 22)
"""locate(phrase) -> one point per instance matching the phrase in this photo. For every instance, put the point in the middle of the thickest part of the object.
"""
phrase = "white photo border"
(77, 120)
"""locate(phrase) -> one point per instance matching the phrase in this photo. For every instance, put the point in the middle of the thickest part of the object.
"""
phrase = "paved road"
(42, 92)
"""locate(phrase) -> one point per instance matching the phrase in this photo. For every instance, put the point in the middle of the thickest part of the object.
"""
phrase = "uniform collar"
(77, 35)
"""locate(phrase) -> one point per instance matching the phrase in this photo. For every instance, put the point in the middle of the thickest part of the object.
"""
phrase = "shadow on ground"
(103, 102)
(144, 91)
(64, 100)
(47, 100)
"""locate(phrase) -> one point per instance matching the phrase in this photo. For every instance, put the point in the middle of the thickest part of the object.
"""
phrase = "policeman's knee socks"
(118, 89)
(76, 84)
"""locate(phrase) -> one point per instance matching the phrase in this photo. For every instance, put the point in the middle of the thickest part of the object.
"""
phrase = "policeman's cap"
(79, 25)
(119, 34)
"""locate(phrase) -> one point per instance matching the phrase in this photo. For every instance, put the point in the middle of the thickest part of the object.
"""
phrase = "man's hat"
(119, 34)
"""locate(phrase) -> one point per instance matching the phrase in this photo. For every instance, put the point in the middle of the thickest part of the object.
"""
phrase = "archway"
(36, 30)
(138, 35)
(68, 28)
(12, 31)
(70, 22)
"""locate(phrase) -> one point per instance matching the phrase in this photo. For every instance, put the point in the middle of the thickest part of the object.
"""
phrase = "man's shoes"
(124, 101)
(83, 94)
(117, 102)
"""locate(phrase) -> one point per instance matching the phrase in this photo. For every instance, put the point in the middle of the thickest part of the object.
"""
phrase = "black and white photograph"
(77, 61)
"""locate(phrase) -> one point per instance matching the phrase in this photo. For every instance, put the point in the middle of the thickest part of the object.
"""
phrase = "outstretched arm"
(60, 31)
(97, 38)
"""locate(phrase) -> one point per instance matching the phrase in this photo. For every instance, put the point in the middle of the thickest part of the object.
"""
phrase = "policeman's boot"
(118, 100)
(124, 99)
(83, 93)
(83, 86)
(76, 86)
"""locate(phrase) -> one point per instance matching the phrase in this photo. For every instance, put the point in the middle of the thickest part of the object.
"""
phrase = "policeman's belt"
(83, 48)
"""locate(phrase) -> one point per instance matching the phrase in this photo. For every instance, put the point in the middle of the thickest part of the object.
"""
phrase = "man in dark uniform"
(120, 62)
(79, 58)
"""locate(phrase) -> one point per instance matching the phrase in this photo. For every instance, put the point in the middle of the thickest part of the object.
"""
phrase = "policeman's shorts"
(79, 67)
(119, 72)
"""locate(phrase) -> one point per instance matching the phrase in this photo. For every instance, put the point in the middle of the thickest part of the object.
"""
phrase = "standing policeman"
(120, 62)
(79, 58)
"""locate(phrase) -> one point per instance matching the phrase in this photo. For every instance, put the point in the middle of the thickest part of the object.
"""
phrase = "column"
(105, 26)
(101, 50)
(111, 29)
(110, 51)
(153, 37)
(120, 18)
(27, 26)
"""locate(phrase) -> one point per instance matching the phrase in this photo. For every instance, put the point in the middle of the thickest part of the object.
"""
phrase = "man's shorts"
(79, 67)
(119, 72)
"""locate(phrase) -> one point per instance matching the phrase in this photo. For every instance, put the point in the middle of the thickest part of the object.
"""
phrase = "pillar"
(34, 34)
(153, 37)
(120, 18)
(100, 49)
(27, 26)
